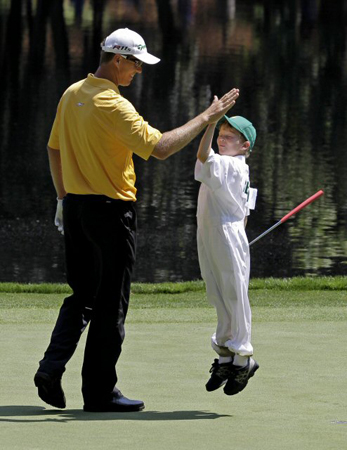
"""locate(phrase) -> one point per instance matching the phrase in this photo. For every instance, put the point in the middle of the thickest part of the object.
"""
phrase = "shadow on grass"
(31, 414)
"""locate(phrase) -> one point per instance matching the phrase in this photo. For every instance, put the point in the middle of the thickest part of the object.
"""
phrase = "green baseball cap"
(242, 125)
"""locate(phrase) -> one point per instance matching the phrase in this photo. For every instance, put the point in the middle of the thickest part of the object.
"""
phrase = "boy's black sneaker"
(50, 390)
(219, 375)
(239, 377)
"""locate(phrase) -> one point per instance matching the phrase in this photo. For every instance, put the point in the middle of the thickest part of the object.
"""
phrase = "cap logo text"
(122, 48)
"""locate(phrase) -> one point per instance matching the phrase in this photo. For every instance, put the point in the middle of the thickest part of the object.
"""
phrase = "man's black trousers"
(100, 247)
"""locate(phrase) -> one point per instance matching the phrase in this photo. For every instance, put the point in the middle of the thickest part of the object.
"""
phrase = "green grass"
(296, 400)
(183, 303)
(338, 283)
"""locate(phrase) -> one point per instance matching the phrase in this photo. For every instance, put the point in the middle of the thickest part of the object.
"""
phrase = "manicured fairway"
(297, 399)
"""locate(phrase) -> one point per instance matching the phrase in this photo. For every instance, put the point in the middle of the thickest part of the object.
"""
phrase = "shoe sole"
(42, 382)
(251, 374)
(101, 409)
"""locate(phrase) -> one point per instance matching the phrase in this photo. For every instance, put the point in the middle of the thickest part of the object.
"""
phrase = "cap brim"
(230, 122)
(147, 58)
(221, 121)
(144, 57)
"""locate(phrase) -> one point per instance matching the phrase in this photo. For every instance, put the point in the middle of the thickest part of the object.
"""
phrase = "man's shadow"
(30, 414)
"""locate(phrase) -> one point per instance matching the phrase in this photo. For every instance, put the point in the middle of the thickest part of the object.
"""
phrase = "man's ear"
(117, 59)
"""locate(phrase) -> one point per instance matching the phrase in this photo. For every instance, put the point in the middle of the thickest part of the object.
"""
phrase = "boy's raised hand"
(220, 107)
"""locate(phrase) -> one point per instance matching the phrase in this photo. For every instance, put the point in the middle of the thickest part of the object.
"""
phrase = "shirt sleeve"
(133, 131)
(53, 141)
(210, 172)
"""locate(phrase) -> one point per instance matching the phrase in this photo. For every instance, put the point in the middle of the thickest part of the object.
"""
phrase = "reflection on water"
(289, 61)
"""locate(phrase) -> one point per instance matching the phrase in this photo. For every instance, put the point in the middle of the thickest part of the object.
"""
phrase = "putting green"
(296, 400)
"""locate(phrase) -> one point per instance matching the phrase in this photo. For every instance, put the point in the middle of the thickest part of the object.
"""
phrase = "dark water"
(289, 60)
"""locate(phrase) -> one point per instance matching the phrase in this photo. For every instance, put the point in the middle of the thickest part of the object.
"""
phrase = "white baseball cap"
(126, 42)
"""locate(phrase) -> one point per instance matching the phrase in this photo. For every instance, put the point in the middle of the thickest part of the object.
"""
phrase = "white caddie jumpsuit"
(223, 203)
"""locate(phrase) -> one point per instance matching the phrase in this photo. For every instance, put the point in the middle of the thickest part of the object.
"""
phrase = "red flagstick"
(290, 214)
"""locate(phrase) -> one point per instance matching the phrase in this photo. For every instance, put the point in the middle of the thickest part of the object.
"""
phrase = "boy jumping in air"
(224, 201)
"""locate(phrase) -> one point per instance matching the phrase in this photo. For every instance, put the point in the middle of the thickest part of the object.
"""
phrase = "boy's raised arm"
(205, 143)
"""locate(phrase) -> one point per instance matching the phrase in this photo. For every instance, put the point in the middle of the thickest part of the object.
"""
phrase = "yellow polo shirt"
(97, 131)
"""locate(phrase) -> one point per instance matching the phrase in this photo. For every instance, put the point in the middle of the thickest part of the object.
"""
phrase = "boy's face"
(231, 142)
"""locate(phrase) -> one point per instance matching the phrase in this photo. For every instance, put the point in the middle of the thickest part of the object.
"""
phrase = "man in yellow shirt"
(94, 135)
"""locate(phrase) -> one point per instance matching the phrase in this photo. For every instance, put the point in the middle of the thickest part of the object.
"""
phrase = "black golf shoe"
(116, 403)
(50, 390)
(239, 377)
(219, 375)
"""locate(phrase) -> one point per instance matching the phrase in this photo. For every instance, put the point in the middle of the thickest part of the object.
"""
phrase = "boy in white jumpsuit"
(223, 205)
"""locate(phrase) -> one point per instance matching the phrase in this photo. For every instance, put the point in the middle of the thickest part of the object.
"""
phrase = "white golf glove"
(58, 220)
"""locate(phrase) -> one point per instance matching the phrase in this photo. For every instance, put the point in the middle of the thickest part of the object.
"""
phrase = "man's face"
(128, 68)
(231, 142)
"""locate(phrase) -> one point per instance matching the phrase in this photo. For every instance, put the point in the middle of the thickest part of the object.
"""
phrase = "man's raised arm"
(173, 141)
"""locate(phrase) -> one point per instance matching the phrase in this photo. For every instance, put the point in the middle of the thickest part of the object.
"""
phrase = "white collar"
(241, 158)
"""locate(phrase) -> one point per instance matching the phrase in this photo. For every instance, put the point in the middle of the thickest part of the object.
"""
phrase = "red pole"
(290, 214)
(302, 205)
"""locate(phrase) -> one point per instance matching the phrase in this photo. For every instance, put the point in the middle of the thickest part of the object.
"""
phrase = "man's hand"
(58, 220)
(173, 141)
(220, 107)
